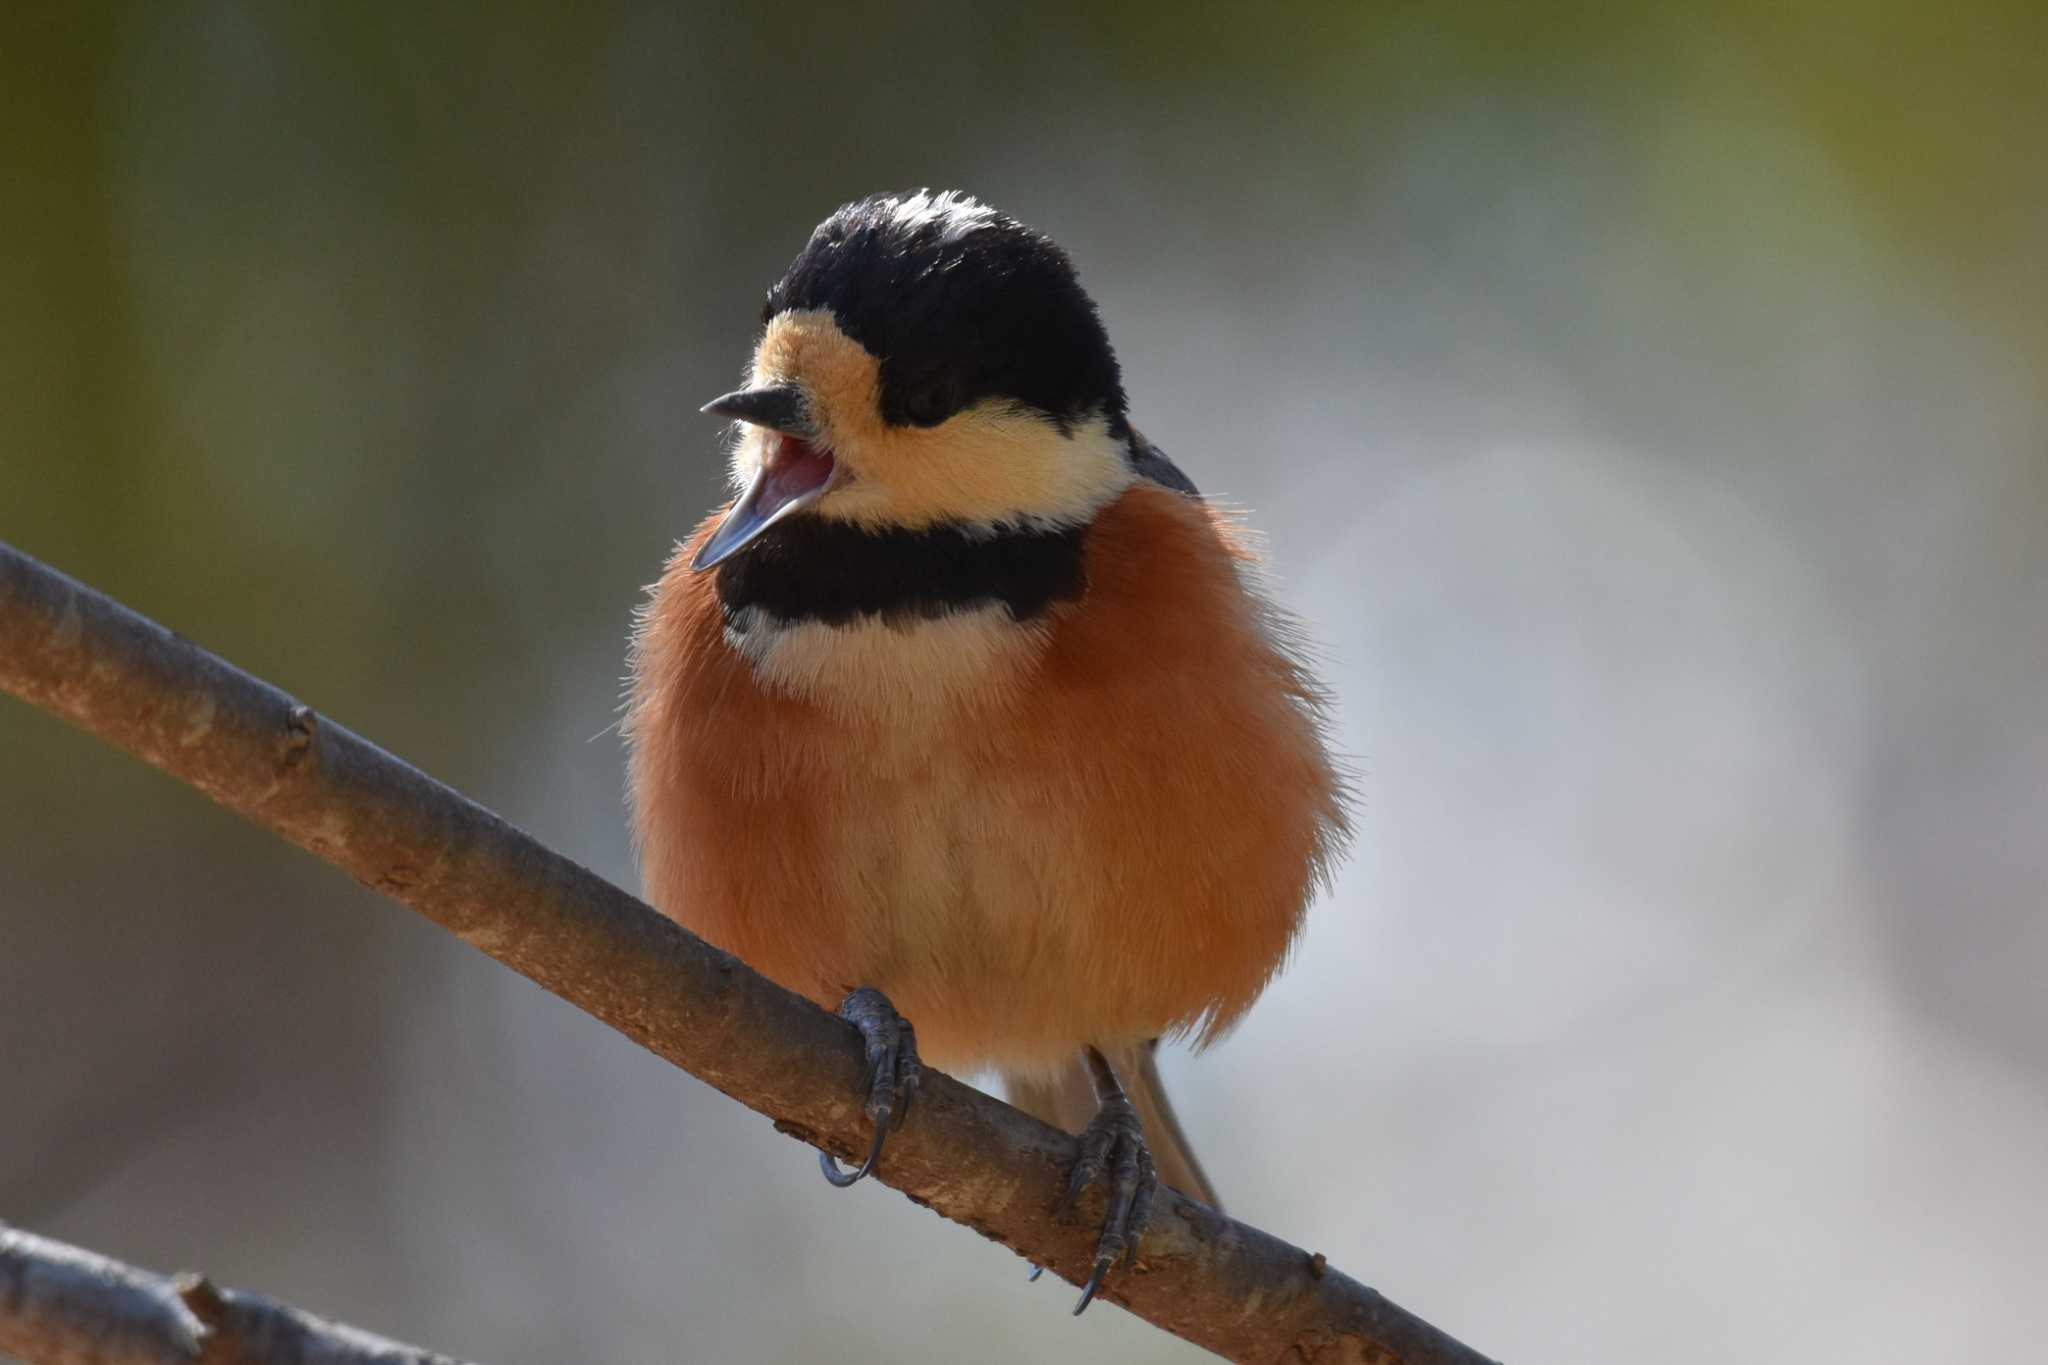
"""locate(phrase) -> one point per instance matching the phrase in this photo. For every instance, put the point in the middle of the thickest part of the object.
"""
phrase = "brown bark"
(62, 1305)
(1221, 1284)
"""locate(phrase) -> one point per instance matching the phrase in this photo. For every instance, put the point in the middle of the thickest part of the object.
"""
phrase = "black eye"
(924, 400)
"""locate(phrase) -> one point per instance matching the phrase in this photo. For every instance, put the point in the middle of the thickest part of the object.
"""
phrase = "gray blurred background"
(1647, 415)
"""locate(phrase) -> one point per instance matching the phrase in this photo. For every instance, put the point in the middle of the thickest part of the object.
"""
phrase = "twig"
(1219, 1283)
(62, 1305)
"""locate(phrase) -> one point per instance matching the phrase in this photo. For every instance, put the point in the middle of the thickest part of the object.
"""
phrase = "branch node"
(217, 1345)
(300, 728)
(201, 1296)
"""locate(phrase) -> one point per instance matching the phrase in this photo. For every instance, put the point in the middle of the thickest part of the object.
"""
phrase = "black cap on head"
(959, 303)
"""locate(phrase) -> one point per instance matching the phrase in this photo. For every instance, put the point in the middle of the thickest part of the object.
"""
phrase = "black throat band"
(810, 569)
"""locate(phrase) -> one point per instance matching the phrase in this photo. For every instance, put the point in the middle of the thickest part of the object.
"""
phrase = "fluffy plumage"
(1100, 825)
(998, 722)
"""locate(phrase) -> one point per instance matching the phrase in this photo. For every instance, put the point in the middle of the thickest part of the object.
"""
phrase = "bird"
(969, 717)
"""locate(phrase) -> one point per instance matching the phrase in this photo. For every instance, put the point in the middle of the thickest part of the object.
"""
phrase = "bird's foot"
(1113, 1147)
(889, 1079)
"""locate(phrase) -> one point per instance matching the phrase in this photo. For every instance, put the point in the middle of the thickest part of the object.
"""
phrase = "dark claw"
(1113, 1146)
(889, 1077)
(1102, 1265)
(843, 1178)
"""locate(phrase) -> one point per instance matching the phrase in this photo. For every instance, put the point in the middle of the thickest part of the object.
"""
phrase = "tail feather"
(1067, 1101)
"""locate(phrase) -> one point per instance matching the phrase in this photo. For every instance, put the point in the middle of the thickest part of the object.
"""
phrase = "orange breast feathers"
(1097, 826)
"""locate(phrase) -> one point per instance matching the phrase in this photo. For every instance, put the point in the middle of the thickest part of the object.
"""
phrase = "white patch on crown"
(962, 213)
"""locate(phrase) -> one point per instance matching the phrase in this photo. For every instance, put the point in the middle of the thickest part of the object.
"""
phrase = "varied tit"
(969, 707)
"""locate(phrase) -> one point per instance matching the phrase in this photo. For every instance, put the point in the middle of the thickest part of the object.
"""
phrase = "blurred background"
(1648, 415)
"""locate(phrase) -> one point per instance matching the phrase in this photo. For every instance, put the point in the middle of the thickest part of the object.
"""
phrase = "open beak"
(793, 474)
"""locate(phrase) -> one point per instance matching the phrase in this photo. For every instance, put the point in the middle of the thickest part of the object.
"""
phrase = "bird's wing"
(1151, 463)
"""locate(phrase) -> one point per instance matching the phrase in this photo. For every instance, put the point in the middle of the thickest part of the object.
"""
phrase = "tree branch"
(62, 1305)
(1219, 1283)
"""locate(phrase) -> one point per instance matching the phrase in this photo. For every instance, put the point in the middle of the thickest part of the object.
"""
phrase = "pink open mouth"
(795, 469)
(793, 475)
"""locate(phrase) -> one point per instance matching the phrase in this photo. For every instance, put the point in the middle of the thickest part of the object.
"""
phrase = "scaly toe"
(1113, 1147)
(889, 1078)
